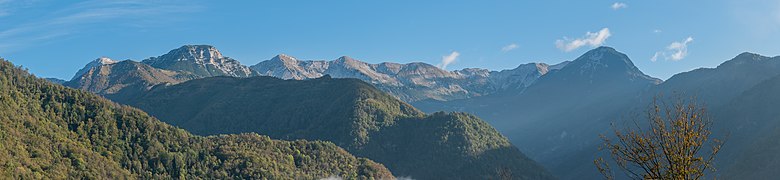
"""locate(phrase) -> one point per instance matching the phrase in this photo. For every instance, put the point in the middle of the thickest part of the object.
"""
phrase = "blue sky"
(56, 38)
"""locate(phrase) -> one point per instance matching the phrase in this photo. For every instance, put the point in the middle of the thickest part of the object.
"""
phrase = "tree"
(672, 147)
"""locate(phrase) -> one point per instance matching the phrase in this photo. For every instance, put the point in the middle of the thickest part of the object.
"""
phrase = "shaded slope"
(556, 120)
(49, 131)
(741, 95)
(753, 122)
(717, 86)
(348, 112)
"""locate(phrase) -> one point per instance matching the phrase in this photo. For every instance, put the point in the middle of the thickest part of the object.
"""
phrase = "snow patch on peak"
(105, 60)
(94, 63)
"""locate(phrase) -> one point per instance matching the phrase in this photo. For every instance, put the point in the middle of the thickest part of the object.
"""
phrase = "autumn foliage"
(677, 144)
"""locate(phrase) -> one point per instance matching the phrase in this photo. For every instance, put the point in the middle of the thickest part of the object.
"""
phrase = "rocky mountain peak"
(94, 63)
(284, 58)
(205, 53)
(346, 60)
(201, 60)
(105, 60)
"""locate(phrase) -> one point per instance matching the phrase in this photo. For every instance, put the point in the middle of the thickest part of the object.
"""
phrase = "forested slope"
(52, 132)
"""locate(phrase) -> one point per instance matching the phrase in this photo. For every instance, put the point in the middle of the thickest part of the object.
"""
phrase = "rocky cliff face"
(200, 60)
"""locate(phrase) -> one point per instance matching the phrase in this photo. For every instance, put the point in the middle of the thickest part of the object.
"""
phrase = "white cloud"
(448, 59)
(679, 49)
(509, 47)
(619, 5)
(675, 51)
(656, 55)
(590, 39)
(657, 31)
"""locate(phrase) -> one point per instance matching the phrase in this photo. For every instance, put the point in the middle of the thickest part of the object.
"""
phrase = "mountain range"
(364, 120)
(557, 120)
(552, 113)
(409, 82)
(412, 81)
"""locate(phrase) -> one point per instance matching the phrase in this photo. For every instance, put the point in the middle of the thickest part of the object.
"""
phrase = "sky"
(662, 37)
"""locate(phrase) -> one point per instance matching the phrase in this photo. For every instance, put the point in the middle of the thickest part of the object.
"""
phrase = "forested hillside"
(48, 131)
(350, 113)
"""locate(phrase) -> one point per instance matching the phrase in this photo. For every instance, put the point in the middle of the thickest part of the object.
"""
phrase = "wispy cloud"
(590, 39)
(448, 59)
(509, 47)
(656, 56)
(77, 17)
(619, 5)
(675, 51)
(4, 7)
(657, 31)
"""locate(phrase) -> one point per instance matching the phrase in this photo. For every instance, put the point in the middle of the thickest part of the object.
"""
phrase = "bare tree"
(670, 149)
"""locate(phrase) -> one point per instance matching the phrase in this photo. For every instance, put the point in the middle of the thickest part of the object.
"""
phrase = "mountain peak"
(345, 59)
(197, 46)
(198, 51)
(750, 55)
(604, 57)
(94, 63)
(605, 48)
(104, 60)
(201, 60)
(603, 52)
(744, 58)
(606, 62)
(284, 58)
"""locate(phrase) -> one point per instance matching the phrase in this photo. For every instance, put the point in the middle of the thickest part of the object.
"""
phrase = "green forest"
(348, 112)
(48, 131)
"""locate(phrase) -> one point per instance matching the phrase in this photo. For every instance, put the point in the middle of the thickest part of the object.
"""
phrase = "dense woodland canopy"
(348, 112)
(48, 131)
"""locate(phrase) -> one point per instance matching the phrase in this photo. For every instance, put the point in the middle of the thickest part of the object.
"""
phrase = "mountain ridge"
(410, 81)
(425, 81)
